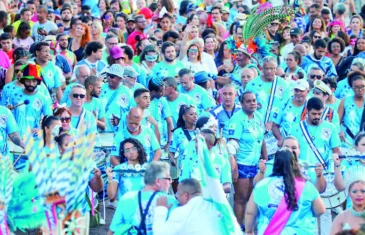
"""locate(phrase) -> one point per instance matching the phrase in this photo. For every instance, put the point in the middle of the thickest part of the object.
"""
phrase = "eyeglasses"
(166, 178)
(317, 37)
(358, 88)
(268, 69)
(112, 44)
(112, 76)
(78, 95)
(130, 150)
(313, 76)
(193, 50)
(274, 24)
(66, 119)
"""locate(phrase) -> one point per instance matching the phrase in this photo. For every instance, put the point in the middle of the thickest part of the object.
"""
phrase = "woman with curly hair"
(284, 201)
(127, 176)
(78, 43)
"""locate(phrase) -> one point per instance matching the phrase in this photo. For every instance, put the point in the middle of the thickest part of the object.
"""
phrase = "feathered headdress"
(357, 173)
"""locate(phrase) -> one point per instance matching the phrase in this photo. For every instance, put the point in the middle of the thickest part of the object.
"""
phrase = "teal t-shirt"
(250, 134)
(147, 138)
(89, 122)
(30, 116)
(7, 126)
(163, 70)
(180, 140)
(160, 110)
(127, 211)
(352, 117)
(201, 97)
(267, 196)
(116, 102)
(262, 90)
(176, 104)
(95, 107)
(324, 136)
(343, 89)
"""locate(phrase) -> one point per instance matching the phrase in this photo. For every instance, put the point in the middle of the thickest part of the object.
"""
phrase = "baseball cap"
(295, 31)
(116, 70)
(322, 87)
(225, 9)
(130, 72)
(201, 77)
(301, 84)
(116, 52)
(146, 12)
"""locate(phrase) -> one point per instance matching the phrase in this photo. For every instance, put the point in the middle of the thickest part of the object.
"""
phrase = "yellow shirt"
(17, 23)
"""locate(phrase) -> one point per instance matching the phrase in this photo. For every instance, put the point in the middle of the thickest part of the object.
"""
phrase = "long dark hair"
(221, 51)
(180, 121)
(142, 156)
(47, 122)
(284, 166)
(356, 49)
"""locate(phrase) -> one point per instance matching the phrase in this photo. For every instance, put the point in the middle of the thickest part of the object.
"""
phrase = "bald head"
(134, 119)
(300, 48)
(135, 113)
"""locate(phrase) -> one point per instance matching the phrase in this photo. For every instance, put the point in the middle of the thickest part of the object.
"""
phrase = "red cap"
(146, 12)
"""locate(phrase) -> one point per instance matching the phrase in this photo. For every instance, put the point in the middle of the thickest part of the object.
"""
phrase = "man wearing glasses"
(140, 22)
(81, 118)
(116, 98)
(318, 58)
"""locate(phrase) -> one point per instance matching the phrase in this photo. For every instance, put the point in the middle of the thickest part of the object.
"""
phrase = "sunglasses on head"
(312, 76)
(78, 95)
(65, 119)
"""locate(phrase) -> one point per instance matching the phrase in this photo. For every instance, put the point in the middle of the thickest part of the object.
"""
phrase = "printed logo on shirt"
(123, 101)
(197, 98)
(326, 133)
(231, 129)
(280, 91)
(276, 189)
(3, 119)
(37, 104)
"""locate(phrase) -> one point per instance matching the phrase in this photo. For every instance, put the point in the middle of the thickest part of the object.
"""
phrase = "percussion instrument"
(271, 144)
(332, 198)
(355, 157)
(174, 166)
(304, 165)
(20, 159)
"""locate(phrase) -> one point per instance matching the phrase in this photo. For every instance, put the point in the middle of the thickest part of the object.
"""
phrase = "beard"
(30, 88)
(316, 121)
(93, 94)
(66, 20)
(169, 60)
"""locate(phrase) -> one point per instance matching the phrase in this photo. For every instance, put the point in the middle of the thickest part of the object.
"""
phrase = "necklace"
(355, 213)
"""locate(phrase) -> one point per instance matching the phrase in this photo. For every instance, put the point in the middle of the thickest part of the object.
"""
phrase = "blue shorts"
(246, 172)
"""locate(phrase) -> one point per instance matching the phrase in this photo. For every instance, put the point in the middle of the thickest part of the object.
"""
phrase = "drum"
(102, 159)
(174, 170)
(20, 160)
(331, 197)
(271, 144)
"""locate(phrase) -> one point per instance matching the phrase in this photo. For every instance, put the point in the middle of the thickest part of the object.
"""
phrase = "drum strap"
(111, 100)
(307, 137)
(282, 214)
(271, 100)
(327, 114)
(362, 119)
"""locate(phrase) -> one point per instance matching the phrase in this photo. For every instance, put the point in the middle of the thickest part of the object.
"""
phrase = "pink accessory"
(282, 214)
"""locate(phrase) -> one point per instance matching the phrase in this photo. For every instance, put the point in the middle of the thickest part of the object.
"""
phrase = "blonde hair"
(98, 25)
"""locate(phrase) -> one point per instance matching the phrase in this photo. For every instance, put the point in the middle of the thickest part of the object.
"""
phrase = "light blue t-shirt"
(127, 211)
(160, 110)
(325, 137)
(128, 181)
(343, 89)
(30, 116)
(200, 96)
(163, 70)
(180, 140)
(147, 138)
(351, 117)
(223, 116)
(116, 102)
(250, 134)
(335, 105)
(66, 94)
(7, 126)
(89, 122)
(95, 107)
(13, 89)
(176, 104)
(262, 90)
(51, 76)
(267, 196)
(288, 116)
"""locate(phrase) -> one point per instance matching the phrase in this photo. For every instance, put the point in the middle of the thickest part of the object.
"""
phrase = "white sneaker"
(112, 205)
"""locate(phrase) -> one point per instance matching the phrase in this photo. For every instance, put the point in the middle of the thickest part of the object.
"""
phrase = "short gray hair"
(154, 171)
(268, 59)
(78, 67)
(77, 86)
(191, 186)
(315, 67)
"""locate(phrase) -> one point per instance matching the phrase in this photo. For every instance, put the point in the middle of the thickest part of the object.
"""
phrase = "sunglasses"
(312, 76)
(318, 37)
(112, 76)
(16, 71)
(78, 95)
(193, 50)
(66, 119)
(274, 24)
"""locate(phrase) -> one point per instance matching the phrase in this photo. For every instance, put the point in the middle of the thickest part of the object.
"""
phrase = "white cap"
(301, 84)
(322, 86)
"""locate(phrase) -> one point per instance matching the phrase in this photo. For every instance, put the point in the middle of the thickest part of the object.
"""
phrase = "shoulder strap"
(307, 137)
(142, 226)
(111, 100)
(362, 119)
(304, 112)
(271, 100)
(187, 134)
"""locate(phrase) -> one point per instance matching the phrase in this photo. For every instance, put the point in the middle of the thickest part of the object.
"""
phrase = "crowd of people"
(183, 117)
